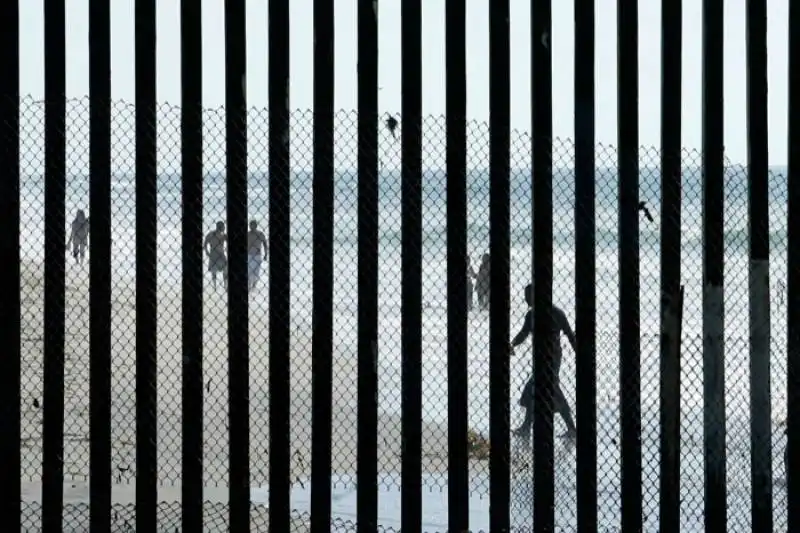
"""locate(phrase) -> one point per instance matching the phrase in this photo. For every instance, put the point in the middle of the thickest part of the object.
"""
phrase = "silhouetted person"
(214, 247)
(79, 236)
(483, 283)
(256, 242)
(560, 324)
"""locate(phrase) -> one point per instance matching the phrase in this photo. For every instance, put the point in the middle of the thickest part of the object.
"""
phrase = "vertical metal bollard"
(793, 277)
(238, 312)
(544, 373)
(411, 262)
(713, 268)
(367, 463)
(671, 196)
(322, 312)
(758, 203)
(100, 264)
(457, 255)
(629, 333)
(585, 268)
(10, 325)
(146, 268)
(499, 242)
(54, 264)
(192, 259)
(279, 267)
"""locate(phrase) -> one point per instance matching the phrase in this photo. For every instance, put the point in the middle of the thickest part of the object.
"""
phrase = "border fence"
(369, 370)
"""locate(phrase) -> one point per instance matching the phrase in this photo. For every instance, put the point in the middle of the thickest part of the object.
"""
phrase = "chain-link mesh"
(434, 334)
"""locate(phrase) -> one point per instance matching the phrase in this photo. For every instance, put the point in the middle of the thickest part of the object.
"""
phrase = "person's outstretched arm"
(524, 332)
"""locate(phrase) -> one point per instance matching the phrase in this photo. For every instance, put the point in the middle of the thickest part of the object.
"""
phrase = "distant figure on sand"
(214, 247)
(559, 324)
(256, 242)
(471, 275)
(79, 236)
(482, 283)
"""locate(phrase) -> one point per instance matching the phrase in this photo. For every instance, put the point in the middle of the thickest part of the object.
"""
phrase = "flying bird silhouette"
(391, 124)
(643, 208)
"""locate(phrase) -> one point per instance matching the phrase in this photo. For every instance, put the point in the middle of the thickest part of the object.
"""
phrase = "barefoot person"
(214, 247)
(256, 243)
(560, 324)
(79, 236)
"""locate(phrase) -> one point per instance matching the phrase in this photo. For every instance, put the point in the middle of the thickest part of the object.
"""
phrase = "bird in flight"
(643, 208)
(391, 124)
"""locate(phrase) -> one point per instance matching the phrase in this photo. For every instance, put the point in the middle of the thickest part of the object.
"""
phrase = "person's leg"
(562, 407)
(526, 400)
(526, 395)
(256, 272)
(214, 279)
(250, 273)
(524, 430)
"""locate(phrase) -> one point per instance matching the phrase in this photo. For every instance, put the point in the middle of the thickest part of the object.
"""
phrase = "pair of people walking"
(215, 249)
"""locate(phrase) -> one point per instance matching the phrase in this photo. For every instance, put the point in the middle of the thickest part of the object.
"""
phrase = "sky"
(562, 44)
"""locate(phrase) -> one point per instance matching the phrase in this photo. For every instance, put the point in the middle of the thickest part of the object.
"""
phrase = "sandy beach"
(76, 430)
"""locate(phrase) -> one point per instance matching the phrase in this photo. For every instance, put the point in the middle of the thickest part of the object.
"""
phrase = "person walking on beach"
(482, 282)
(560, 324)
(256, 242)
(214, 247)
(79, 236)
